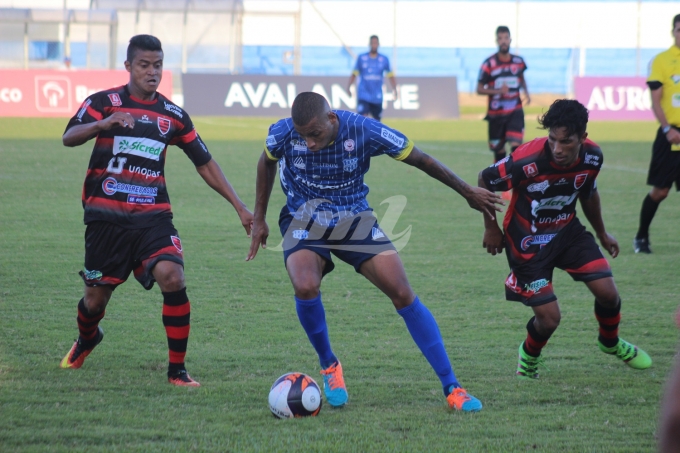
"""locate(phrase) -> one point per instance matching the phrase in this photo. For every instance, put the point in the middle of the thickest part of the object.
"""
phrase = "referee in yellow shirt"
(664, 169)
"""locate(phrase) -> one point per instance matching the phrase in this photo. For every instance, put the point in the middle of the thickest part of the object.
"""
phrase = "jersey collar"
(153, 101)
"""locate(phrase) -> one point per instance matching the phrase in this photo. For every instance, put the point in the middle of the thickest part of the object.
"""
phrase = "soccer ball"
(294, 395)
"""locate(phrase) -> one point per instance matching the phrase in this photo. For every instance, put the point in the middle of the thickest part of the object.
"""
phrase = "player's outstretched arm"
(213, 175)
(493, 241)
(266, 174)
(77, 135)
(593, 212)
(478, 198)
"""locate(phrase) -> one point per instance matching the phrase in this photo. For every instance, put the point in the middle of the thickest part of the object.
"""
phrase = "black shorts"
(506, 128)
(664, 169)
(573, 250)
(365, 108)
(353, 241)
(112, 252)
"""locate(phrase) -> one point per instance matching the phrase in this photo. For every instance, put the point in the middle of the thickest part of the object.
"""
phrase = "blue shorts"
(365, 108)
(354, 240)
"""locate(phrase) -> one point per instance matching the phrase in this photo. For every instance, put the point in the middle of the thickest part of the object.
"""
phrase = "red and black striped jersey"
(494, 73)
(125, 181)
(544, 194)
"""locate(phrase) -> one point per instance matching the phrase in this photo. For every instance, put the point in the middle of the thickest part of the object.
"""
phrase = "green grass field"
(245, 332)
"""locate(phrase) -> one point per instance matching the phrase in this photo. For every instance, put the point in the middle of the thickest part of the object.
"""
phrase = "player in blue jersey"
(370, 67)
(323, 155)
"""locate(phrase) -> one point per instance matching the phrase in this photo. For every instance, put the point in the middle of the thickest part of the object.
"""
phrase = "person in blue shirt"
(370, 67)
(323, 155)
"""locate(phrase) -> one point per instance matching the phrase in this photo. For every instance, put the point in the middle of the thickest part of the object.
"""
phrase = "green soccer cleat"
(527, 366)
(633, 356)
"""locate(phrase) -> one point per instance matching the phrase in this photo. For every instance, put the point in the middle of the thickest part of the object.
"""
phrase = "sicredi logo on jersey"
(142, 147)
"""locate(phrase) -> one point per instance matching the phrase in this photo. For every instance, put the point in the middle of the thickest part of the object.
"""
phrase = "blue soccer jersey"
(328, 184)
(370, 72)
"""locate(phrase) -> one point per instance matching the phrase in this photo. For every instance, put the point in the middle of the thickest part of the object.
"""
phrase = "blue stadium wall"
(550, 70)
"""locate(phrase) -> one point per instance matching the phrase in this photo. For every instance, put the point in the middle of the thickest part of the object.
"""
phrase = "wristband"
(666, 129)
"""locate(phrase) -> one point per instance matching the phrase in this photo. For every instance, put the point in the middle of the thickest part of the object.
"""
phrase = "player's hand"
(258, 236)
(673, 136)
(609, 244)
(493, 241)
(505, 89)
(118, 119)
(246, 220)
(527, 99)
(485, 201)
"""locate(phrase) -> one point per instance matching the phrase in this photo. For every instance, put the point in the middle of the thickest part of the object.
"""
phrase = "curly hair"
(566, 113)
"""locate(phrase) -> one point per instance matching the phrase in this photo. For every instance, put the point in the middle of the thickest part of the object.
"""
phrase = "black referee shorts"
(664, 169)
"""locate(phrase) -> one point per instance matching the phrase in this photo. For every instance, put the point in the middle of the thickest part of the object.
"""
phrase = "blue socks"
(312, 316)
(425, 332)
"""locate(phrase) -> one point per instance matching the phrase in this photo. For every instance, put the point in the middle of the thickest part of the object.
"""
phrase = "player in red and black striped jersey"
(541, 232)
(500, 78)
(127, 208)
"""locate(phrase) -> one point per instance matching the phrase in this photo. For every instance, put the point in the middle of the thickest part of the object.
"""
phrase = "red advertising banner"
(615, 98)
(47, 93)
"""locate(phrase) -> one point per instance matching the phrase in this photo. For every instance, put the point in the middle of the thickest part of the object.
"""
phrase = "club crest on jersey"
(350, 165)
(580, 180)
(115, 100)
(349, 145)
(163, 125)
(530, 170)
(514, 68)
(177, 243)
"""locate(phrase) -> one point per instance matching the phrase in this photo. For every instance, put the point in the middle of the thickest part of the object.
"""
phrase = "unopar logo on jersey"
(115, 100)
(177, 243)
(163, 125)
(530, 170)
(580, 180)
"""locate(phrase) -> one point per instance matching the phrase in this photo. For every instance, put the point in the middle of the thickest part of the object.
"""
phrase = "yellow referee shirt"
(666, 69)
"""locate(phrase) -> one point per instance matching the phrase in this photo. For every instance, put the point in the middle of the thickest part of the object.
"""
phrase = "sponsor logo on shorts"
(92, 275)
(137, 199)
(539, 239)
(376, 233)
(142, 147)
(172, 108)
(300, 235)
(270, 141)
(391, 137)
(349, 145)
(111, 186)
(177, 243)
(115, 100)
(580, 180)
(163, 124)
(539, 187)
(530, 170)
(350, 165)
(536, 285)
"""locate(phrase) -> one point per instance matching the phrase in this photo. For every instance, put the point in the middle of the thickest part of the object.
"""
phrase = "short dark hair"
(502, 29)
(142, 42)
(567, 113)
(373, 36)
(307, 106)
(676, 19)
